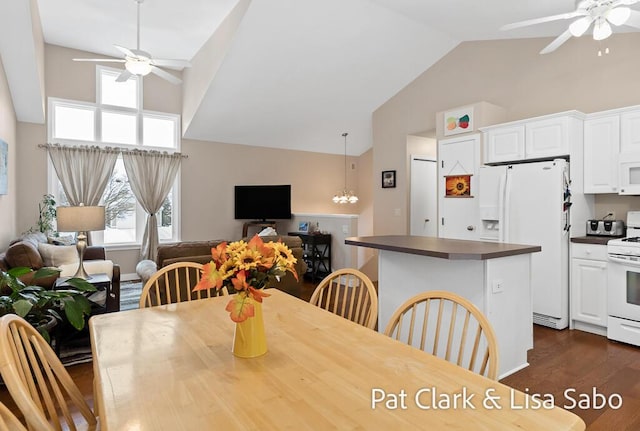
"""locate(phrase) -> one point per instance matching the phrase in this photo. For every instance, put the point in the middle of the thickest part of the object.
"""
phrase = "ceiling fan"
(138, 62)
(600, 13)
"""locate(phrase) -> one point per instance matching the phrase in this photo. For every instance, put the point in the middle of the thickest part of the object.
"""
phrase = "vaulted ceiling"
(295, 73)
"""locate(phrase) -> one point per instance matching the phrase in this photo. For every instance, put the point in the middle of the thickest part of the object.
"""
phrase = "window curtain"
(83, 171)
(151, 175)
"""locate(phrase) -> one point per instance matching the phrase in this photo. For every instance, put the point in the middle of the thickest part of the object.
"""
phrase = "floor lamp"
(81, 219)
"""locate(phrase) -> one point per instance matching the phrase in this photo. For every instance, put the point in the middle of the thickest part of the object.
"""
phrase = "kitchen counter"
(495, 277)
(451, 249)
(600, 240)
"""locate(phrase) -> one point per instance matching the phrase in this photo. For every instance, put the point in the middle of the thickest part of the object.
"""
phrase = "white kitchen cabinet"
(504, 144)
(537, 138)
(601, 148)
(630, 131)
(589, 288)
(547, 138)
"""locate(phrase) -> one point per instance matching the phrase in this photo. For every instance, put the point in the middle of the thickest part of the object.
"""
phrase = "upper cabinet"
(537, 138)
(601, 148)
(630, 131)
(612, 151)
(504, 144)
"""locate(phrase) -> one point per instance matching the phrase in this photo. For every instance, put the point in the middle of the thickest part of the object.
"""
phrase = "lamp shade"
(80, 218)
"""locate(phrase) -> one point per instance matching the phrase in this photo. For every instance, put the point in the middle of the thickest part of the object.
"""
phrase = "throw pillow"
(23, 253)
(56, 255)
(62, 240)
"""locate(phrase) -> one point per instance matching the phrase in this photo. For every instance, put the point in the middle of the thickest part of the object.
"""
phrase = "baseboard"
(129, 277)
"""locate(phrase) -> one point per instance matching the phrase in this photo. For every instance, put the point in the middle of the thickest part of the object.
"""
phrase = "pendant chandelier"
(345, 196)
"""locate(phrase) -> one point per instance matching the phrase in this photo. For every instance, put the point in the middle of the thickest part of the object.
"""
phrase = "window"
(117, 119)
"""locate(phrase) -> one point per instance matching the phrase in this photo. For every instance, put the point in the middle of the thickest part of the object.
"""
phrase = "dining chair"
(38, 382)
(439, 321)
(348, 293)
(8, 422)
(174, 283)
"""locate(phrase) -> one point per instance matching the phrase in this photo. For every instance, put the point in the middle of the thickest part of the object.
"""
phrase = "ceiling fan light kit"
(141, 63)
(601, 30)
(600, 13)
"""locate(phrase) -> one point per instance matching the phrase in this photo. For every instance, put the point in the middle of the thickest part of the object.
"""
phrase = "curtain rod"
(88, 147)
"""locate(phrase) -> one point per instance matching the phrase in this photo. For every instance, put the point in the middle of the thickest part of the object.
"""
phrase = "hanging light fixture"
(345, 196)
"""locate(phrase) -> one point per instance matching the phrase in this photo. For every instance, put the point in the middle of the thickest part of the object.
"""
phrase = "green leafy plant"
(47, 215)
(38, 305)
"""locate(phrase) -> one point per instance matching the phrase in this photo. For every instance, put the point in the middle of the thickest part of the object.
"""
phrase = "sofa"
(200, 252)
(33, 251)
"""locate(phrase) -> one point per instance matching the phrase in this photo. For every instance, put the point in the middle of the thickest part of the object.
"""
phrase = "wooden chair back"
(8, 422)
(449, 326)
(174, 283)
(38, 382)
(348, 293)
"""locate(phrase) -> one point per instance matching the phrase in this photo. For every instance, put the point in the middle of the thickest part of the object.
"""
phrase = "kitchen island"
(494, 276)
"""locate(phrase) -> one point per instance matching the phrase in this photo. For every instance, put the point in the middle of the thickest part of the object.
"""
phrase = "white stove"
(623, 284)
(621, 248)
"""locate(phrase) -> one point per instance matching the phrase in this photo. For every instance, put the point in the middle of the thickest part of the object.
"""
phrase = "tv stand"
(261, 224)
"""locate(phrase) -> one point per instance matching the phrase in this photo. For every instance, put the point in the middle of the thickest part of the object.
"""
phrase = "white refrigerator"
(528, 203)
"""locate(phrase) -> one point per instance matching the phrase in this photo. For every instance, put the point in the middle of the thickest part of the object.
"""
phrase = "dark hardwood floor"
(560, 360)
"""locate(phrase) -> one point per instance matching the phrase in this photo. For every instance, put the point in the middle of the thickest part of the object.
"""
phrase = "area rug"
(130, 295)
(79, 351)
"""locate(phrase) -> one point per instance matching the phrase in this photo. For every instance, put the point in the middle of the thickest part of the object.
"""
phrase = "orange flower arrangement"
(246, 268)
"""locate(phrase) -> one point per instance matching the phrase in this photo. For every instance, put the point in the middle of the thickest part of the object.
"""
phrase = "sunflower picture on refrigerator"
(458, 186)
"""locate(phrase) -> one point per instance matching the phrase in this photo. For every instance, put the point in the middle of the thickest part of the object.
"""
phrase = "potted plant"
(41, 307)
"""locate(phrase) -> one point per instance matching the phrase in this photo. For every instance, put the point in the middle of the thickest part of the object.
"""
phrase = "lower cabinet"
(589, 288)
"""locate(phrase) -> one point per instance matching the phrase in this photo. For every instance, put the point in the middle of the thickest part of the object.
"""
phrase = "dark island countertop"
(452, 249)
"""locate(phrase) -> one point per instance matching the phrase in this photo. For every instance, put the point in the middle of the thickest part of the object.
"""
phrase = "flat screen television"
(263, 202)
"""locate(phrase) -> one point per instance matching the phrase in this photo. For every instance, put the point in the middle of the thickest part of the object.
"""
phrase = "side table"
(317, 253)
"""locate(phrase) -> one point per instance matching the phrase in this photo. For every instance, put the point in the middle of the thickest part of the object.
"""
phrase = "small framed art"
(388, 179)
(458, 121)
(303, 226)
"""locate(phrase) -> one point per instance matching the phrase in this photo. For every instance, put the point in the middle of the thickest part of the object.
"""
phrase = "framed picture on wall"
(388, 179)
(458, 121)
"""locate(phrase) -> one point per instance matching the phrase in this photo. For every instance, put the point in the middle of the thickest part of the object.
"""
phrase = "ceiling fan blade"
(125, 75)
(170, 63)
(557, 42)
(125, 51)
(534, 21)
(634, 19)
(111, 60)
(166, 75)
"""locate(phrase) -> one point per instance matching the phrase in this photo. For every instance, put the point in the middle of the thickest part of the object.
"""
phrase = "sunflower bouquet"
(246, 268)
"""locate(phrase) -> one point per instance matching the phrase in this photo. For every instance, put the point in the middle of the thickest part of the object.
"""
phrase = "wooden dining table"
(171, 368)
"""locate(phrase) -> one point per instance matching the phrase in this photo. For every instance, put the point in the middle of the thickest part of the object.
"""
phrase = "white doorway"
(424, 196)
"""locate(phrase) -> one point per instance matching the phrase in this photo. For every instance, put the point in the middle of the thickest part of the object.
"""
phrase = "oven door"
(623, 298)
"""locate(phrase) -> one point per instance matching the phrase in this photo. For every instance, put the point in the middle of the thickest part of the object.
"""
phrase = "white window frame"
(98, 108)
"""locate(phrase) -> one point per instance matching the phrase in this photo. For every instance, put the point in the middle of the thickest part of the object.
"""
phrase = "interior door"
(424, 197)
(458, 160)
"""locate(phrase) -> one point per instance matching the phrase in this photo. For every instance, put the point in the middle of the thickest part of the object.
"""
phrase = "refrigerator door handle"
(506, 202)
(501, 186)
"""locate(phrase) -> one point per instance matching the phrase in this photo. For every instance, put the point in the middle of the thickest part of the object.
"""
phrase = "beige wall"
(212, 169)
(8, 206)
(208, 174)
(507, 73)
